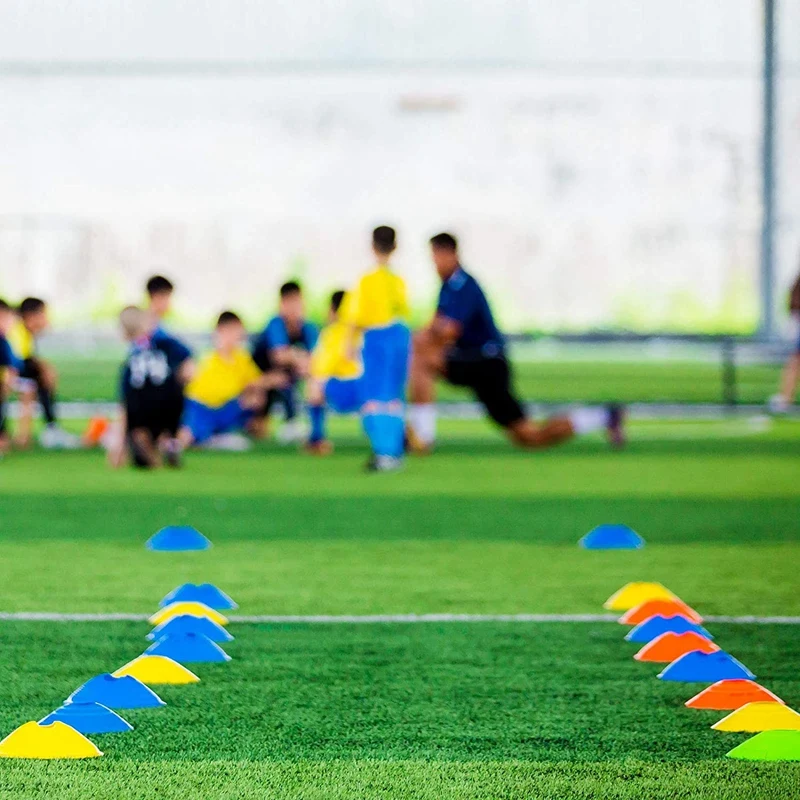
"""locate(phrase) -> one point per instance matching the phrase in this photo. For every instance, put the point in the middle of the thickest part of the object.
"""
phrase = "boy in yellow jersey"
(378, 309)
(225, 390)
(334, 377)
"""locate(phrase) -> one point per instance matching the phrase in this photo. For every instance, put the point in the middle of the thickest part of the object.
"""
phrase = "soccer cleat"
(229, 442)
(384, 464)
(55, 438)
(171, 451)
(291, 432)
(414, 444)
(320, 448)
(615, 426)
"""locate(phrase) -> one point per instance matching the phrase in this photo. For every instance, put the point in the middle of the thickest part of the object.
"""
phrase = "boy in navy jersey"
(151, 392)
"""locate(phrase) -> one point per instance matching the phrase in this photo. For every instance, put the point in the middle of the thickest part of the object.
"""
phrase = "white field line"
(385, 619)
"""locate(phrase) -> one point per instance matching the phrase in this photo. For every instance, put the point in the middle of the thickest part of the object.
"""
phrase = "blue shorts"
(385, 356)
(343, 397)
(205, 422)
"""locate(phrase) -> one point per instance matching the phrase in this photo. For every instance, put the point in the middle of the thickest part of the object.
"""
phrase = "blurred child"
(159, 297)
(781, 402)
(151, 393)
(226, 390)
(285, 344)
(378, 309)
(335, 377)
(9, 368)
(38, 378)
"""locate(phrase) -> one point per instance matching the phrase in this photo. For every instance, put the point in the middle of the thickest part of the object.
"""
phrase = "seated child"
(226, 390)
(335, 377)
(151, 393)
(9, 369)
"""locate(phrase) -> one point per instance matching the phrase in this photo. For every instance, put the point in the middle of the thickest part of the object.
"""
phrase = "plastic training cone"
(205, 593)
(697, 667)
(652, 628)
(177, 538)
(730, 694)
(56, 740)
(769, 746)
(187, 623)
(669, 646)
(634, 594)
(664, 608)
(757, 717)
(114, 692)
(88, 718)
(188, 648)
(152, 670)
(191, 607)
(611, 537)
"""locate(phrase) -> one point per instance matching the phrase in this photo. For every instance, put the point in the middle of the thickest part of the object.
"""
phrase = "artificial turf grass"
(472, 710)
(476, 528)
(559, 381)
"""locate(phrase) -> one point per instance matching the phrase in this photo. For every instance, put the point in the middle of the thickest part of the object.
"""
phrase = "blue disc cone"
(124, 692)
(89, 718)
(651, 628)
(188, 648)
(612, 537)
(176, 538)
(697, 667)
(188, 623)
(205, 593)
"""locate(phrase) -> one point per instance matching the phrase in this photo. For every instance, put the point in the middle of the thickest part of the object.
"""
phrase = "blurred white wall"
(599, 159)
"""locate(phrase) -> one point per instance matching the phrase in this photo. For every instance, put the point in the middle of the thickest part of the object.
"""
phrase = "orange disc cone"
(95, 431)
(731, 694)
(666, 608)
(666, 648)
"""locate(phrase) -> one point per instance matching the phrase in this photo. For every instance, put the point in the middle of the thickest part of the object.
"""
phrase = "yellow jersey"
(219, 380)
(21, 340)
(331, 357)
(379, 300)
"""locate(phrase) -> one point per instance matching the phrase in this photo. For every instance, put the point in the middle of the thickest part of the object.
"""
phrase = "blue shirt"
(276, 334)
(174, 343)
(462, 300)
(7, 357)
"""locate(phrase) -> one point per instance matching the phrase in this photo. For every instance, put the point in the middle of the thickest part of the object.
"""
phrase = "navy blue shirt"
(462, 300)
(152, 366)
(276, 334)
(7, 357)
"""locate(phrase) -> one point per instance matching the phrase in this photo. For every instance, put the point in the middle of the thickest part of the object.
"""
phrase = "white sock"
(422, 418)
(586, 420)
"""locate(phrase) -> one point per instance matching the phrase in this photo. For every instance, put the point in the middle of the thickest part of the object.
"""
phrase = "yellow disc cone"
(192, 608)
(757, 717)
(634, 594)
(56, 740)
(153, 670)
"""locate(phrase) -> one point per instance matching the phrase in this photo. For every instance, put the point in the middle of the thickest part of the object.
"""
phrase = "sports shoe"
(615, 427)
(291, 432)
(55, 438)
(321, 448)
(230, 442)
(171, 450)
(384, 464)
(778, 404)
(415, 445)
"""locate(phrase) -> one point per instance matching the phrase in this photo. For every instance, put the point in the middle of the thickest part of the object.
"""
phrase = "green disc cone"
(769, 746)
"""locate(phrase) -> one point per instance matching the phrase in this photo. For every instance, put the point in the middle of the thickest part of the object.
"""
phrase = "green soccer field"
(587, 379)
(457, 709)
